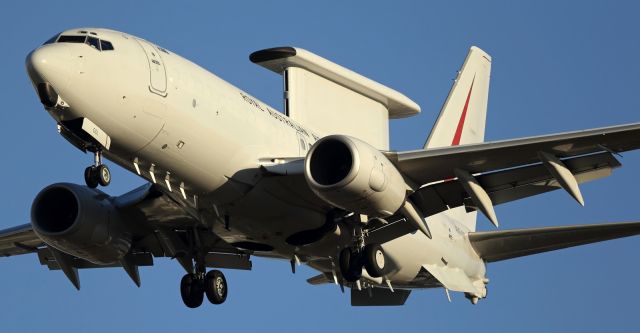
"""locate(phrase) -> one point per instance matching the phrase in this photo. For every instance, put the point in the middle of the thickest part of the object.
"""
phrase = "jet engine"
(80, 221)
(351, 174)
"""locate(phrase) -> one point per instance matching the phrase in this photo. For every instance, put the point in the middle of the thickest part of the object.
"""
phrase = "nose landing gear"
(97, 174)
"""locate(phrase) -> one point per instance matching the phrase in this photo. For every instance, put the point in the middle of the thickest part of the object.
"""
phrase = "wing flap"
(502, 245)
(47, 258)
(512, 184)
(431, 165)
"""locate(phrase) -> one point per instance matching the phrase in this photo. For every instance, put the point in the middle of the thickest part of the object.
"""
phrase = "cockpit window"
(71, 39)
(98, 44)
(51, 40)
(106, 46)
(93, 42)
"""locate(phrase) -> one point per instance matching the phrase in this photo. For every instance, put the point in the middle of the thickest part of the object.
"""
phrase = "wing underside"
(480, 176)
(512, 184)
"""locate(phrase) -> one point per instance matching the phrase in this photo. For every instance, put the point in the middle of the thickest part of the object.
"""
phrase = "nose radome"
(50, 63)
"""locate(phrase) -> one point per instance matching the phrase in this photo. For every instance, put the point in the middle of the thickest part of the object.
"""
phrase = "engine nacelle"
(351, 174)
(80, 221)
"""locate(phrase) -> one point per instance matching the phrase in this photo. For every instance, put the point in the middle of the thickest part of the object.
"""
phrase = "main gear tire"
(375, 260)
(215, 287)
(350, 265)
(191, 291)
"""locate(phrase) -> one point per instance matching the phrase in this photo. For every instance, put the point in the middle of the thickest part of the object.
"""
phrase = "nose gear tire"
(104, 175)
(91, 177)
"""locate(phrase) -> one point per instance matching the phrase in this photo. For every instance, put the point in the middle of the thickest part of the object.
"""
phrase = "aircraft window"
(106, 45)
(71, 39)
(93, 42)
(51, 40)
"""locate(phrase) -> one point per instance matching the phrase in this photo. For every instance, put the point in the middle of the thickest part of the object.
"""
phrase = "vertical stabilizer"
(463, 115)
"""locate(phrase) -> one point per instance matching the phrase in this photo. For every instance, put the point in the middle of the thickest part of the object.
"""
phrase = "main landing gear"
(97, 174)
(371, 257)
(193, 287)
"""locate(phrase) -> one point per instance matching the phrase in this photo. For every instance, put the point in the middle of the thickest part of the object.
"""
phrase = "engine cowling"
(80, 221)
(351, 174)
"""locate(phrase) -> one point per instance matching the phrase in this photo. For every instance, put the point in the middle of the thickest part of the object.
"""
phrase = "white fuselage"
(184, 126)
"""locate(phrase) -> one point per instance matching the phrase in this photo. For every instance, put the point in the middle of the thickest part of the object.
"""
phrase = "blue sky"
(556, 67)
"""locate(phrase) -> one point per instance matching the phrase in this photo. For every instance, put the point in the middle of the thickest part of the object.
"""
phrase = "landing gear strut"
(370, 256)
(97, 174)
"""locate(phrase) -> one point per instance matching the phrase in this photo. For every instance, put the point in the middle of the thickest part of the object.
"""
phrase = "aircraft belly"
(414, 251)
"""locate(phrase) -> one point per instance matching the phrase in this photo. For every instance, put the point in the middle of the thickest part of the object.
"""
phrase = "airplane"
(229, 177)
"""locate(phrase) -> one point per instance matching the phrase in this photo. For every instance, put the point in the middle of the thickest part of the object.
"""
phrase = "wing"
(431, 165)
(19, 240)
(512, 184)
(162, 226)
(502, 245)
(513, 169)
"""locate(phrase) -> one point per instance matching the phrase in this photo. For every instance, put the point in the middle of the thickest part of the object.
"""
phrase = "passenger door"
(158, 74)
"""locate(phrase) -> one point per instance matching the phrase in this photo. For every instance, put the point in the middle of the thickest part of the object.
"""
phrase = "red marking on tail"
(458, 134)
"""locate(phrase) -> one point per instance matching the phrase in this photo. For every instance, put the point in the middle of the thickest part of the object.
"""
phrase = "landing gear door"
(158, 74)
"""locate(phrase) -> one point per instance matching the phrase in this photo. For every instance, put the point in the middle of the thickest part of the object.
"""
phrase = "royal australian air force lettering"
(304, 137)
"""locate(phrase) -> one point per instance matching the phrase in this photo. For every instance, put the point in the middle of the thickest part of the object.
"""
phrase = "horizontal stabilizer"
(379, 297)
(502, 245)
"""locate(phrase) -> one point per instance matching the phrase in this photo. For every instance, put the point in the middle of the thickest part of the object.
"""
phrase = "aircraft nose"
(50, 64)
